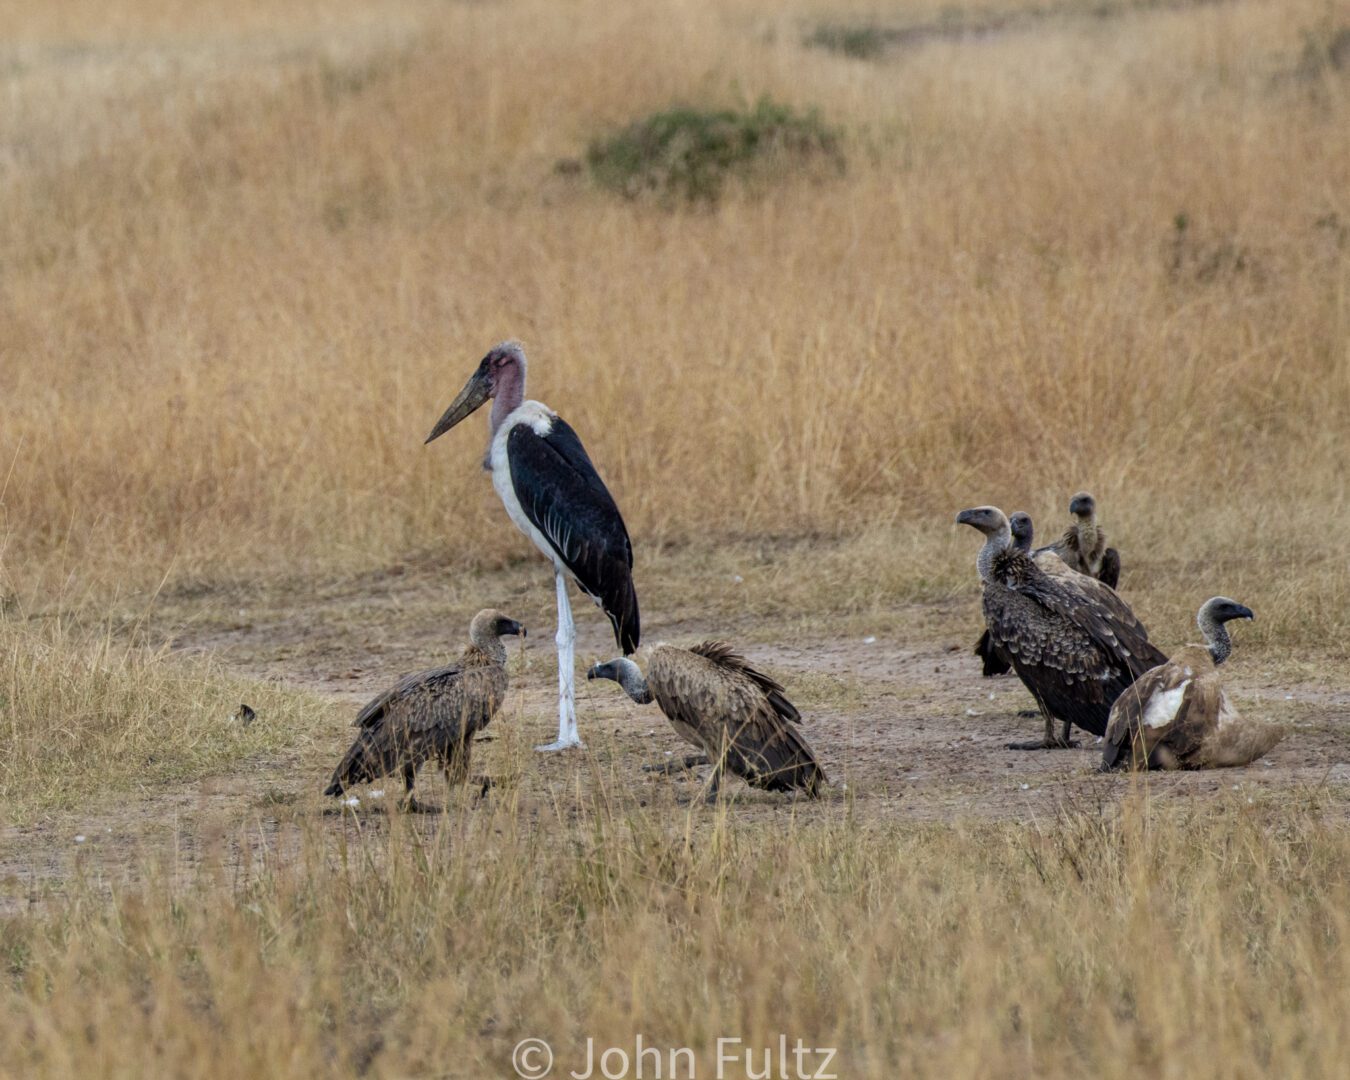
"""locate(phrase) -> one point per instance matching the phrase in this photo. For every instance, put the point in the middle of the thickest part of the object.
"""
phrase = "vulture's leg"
(485, 784)
(689, 761)
(1050, 742)
(566, 640)
(715, 783)
(409, 804)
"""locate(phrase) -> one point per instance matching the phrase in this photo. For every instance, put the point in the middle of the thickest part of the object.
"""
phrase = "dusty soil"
(904, 724)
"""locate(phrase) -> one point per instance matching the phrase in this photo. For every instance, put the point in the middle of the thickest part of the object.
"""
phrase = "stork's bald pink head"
(500, 375)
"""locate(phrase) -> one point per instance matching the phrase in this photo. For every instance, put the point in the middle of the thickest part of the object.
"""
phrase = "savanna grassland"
(247, 255)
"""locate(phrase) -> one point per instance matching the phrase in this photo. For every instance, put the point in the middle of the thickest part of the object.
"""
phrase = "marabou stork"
(555, 497)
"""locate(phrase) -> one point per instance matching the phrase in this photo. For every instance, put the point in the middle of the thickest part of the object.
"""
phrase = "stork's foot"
(1046, 744)
(414, 806)
(666, 768)
(562, 744)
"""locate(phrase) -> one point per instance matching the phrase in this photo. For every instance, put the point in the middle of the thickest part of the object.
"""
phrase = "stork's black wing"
(564, 497)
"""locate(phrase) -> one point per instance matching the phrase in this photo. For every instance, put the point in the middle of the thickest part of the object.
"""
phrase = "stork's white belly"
(540, 418)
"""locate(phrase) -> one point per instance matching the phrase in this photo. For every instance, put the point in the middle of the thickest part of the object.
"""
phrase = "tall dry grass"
(86, 715)
(249, 258)
(1209, 942)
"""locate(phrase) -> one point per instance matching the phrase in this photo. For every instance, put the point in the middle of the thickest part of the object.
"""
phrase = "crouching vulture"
(740, 718)
(1178, 716)
(1073, 642)
(432, 715)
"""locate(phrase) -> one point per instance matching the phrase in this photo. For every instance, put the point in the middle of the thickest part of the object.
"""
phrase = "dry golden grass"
(248, 253)
(248, 263)
(1209, 943)
(85, 716)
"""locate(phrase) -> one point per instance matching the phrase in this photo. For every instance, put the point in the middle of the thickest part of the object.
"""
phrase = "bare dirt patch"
(906, 727)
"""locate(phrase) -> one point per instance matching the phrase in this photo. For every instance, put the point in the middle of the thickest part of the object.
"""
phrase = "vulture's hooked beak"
(1244, 612)
(476, 391)
(601, 671)
(967, 517)
(510, 626)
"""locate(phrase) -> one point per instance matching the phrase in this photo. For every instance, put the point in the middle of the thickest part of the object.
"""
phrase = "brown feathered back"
(716, 700)
(432, 714)
(1073, 641)
(1178, 716)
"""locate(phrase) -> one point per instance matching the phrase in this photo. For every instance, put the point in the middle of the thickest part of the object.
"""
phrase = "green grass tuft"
(688, 153)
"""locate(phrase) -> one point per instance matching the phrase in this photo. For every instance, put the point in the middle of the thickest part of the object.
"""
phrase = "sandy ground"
(902, 721)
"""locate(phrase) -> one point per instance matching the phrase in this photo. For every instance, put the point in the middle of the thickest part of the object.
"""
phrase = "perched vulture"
(740, 718)
(1178, 716)
(431, 715)
(1073, 642)
(1083, 545)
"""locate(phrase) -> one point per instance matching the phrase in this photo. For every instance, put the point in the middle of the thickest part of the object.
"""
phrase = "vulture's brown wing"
(1109, 574)
(411, 689)
(711, 690)
(1170, 706)
(723, 655)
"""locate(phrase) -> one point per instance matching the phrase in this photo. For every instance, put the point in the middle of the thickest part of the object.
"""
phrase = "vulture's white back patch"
(1162, 708)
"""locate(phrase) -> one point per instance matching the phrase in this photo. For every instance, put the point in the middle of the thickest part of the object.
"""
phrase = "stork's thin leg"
(566, 640)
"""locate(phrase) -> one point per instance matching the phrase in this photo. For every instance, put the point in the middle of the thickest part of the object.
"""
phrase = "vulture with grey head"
(1083, 545)
(1178, 716)
(738, 717)
(1072, 641)
(432, 715)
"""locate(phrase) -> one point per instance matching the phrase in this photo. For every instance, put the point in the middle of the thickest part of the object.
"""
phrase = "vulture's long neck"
(487, 644)
(1087, 535)
(994, 543)
(1216, 636)
(633, 682)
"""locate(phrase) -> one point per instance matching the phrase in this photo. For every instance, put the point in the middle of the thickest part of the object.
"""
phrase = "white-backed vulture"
(431, 715)
(1083, 545)
(740, 718)
(1178, 716)
(1072, 641)
(994, 660)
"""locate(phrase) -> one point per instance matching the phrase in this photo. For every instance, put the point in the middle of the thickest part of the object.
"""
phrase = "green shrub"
(860, 41)
(689, 153)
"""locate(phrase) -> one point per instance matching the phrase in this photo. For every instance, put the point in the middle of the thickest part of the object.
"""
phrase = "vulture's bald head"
(1221, 609)
(990, 520)
(1083, 505)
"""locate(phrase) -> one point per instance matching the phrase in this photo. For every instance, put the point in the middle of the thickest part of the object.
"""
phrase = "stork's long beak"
(476, 391)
